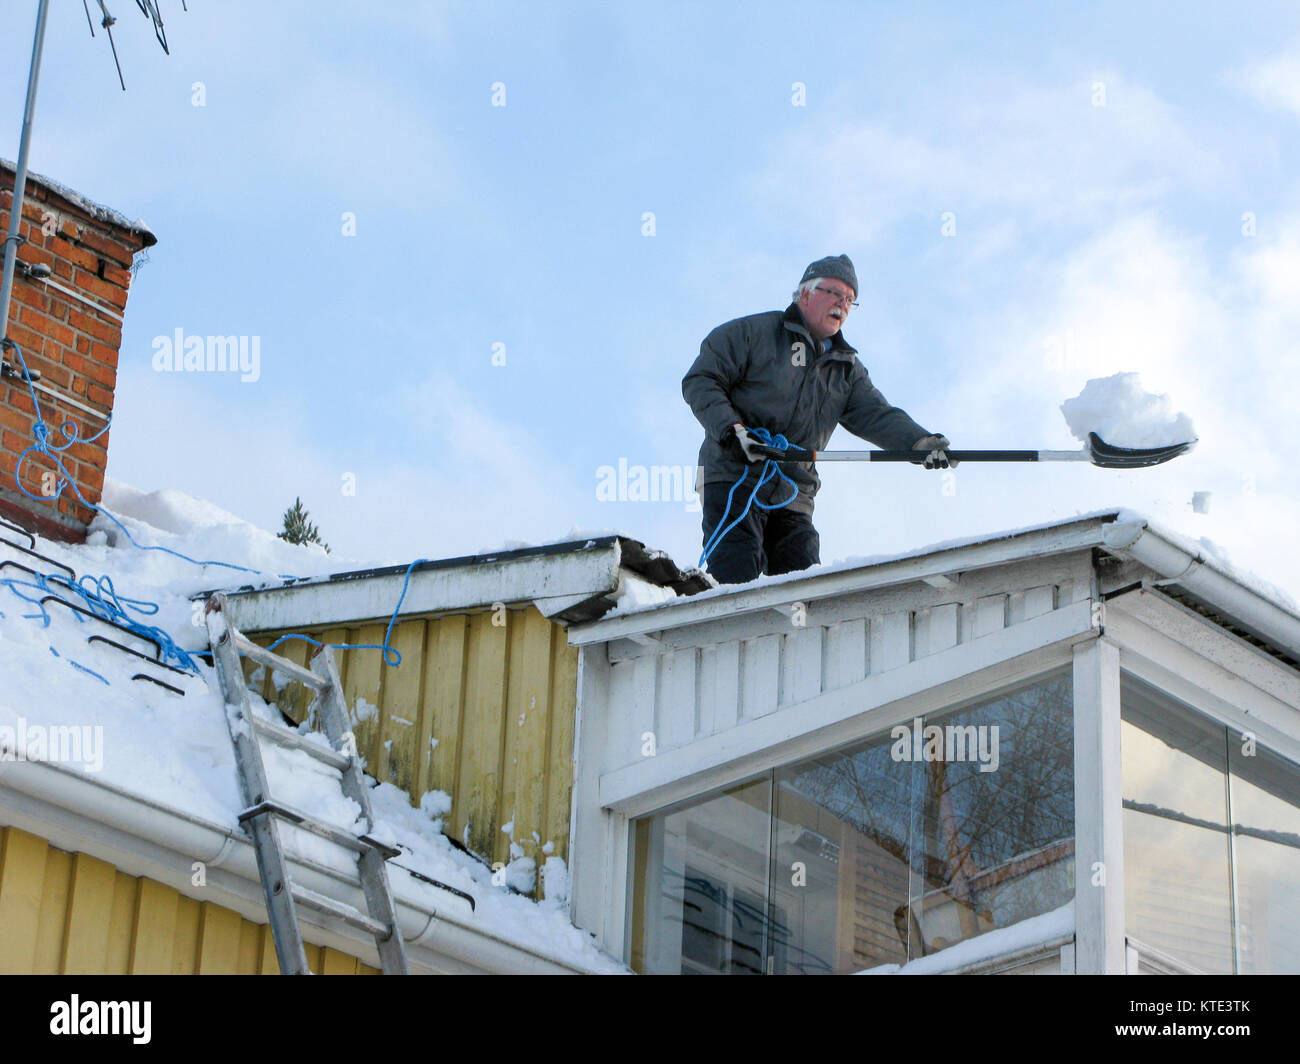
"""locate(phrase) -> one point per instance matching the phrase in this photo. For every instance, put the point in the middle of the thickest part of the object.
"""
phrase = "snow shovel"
(1098, 452)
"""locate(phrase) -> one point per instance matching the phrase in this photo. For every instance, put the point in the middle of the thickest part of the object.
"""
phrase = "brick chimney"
(68, 323)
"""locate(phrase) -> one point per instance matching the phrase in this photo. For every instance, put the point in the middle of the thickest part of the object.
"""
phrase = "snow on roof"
(95, 210)
(1025, 935)
(1209, 553)
(175, 750)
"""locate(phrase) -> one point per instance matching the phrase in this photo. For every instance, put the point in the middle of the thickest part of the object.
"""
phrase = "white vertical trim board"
(1098, 812)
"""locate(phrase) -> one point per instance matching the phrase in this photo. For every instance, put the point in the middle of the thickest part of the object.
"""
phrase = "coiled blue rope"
(99, 596)
(770, 469)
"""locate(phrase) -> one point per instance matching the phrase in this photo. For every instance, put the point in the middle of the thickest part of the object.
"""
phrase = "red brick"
(105, 375)
(63, 269)
(31, 296)
(104, 355)
(83, 344)
(56, 375)
(15, 420)
(20, 399)
(13, 441)
(87, 282)
(109, 248)
(59, 333)
(78, 385)
(77, 256)
(118, 276)
(24, 337)
(103, 396)
(95, 326)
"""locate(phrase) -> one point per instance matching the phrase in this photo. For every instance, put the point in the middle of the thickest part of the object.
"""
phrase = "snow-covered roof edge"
(569, 582)
(85, 204)
(1260, 608)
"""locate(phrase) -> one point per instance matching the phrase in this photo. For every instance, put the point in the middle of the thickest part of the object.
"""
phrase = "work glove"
(938, 448)
(739, 439)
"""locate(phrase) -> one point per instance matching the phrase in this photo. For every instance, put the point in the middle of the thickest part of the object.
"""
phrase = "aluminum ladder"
(261, 812)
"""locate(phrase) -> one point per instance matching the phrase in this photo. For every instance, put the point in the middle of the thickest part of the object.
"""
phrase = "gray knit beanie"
(836, 266)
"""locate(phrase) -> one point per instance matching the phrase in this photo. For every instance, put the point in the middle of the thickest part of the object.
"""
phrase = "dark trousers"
(765, 542)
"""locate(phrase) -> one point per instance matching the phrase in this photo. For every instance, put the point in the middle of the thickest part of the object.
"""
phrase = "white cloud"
(1274, 82)
(1044, 153)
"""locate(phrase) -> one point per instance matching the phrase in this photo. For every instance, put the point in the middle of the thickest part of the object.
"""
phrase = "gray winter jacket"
(767, 371)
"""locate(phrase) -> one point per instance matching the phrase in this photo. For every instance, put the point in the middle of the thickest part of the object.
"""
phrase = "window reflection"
(1265, 793)
(876, 857)
(1211, 839)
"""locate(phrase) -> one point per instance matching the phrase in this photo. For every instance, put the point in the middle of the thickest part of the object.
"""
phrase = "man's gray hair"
(807, 286)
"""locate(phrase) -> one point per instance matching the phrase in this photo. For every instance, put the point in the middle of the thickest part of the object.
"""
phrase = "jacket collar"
(840, 348)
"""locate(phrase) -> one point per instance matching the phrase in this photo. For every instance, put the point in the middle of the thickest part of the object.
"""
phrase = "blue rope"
(78, 665)
(101, 599)
(770, 469)
(396, 657)
(71, 433)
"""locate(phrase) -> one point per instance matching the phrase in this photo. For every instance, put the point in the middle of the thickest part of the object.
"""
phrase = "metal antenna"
(148, 8)
(13, 236)
(108, 28)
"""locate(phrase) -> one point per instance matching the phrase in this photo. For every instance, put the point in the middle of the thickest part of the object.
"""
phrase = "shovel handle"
(800, 454)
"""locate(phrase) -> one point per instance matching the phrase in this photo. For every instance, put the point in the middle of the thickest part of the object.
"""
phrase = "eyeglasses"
(846, 300)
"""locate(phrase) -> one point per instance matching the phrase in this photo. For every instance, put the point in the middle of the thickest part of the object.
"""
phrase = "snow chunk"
(555, 880)
(435, 804)
(521, 875)
(636, 593)
(1121, 412)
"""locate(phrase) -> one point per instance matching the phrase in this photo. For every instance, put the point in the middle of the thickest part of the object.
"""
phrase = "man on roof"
(792, 373)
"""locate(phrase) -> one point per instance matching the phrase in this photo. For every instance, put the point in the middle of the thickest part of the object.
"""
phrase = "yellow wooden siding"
(481, 707)
(71, 914)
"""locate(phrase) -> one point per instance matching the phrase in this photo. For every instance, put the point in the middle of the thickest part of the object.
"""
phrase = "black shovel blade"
(1109, 456)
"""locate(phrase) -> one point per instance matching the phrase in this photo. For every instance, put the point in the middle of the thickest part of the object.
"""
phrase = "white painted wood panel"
(760, 674)
(706, 692)
(641, 719)
(1040, 600)
(802, 673)
(675, 712)
(895, 640)
(943, 627)
(990, 615)
(726, 687)
(845, 657)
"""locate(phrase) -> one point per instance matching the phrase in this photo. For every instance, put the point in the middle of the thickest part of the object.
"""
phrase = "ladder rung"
(342, 910)
(294, 741)
(273, 661)
(382, 848)
(307, 823)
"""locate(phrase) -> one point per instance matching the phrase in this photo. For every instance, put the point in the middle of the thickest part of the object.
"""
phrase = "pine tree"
(298, 527)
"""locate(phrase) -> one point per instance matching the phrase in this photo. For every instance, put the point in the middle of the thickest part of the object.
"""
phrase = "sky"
(478, 246)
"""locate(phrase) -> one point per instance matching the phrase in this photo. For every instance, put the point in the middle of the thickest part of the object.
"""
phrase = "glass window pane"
(996, 838)
(700, 885)
(840, 870)
(1265, 792)
(1177, 883)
